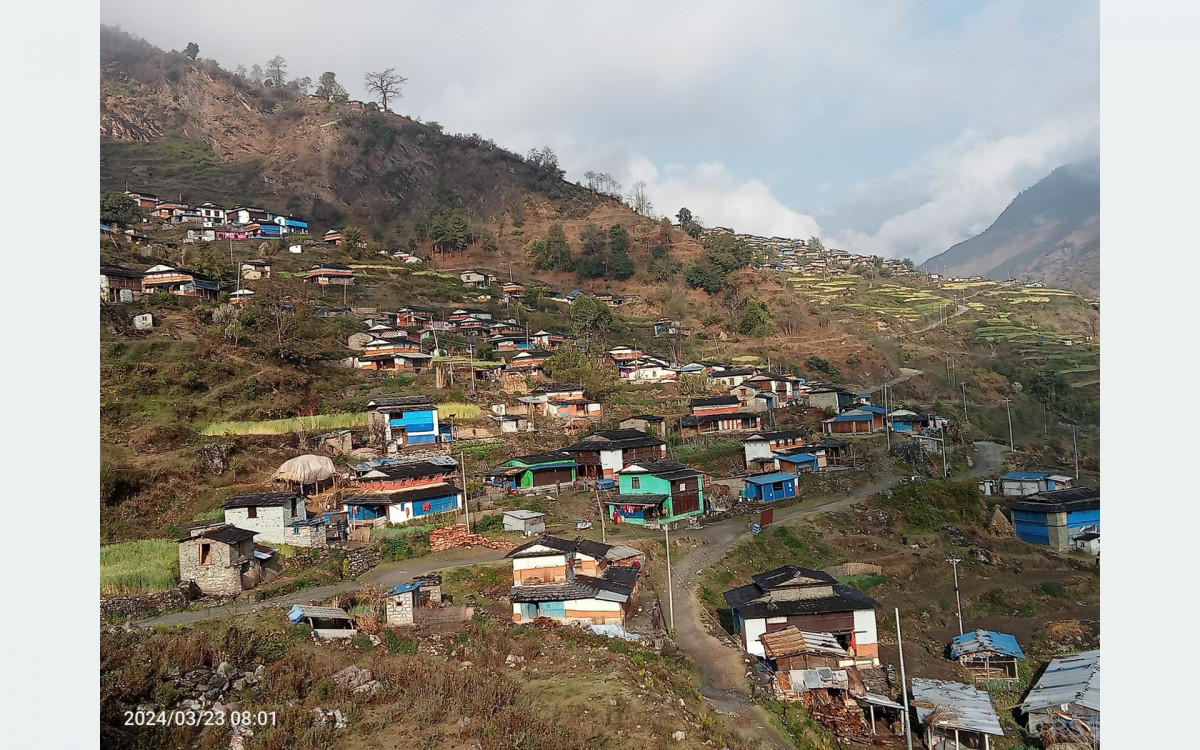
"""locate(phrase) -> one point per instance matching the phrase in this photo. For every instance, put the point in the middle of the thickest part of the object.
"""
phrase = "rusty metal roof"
(791, 641)
(953, 705)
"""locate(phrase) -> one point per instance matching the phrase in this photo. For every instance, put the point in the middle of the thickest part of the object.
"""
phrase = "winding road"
(388, 574)
(722, 671)
(720, 665)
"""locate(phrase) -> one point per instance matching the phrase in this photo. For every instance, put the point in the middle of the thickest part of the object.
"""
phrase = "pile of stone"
(205, 687)
(457, 535)
(355, 680)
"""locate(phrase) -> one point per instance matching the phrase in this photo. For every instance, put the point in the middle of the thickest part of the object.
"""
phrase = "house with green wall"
(657, 493)
(533, 471)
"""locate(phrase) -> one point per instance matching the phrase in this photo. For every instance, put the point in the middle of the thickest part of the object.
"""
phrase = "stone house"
(401, 602)
(278, 517)
(223, 559)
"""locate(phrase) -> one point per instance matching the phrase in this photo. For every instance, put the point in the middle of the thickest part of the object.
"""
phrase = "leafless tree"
(385, 84)
(639, 201)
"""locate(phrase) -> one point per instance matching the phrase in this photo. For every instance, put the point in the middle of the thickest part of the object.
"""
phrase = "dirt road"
(722, 671)
(989, 458)
(389, 574)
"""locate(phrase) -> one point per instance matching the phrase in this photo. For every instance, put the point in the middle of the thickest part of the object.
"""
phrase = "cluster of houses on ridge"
(793, 255)
(237, 222)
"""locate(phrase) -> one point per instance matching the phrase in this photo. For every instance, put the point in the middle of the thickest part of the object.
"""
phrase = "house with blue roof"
(404, 601)
(797, 462)
(1057, 518)
(987, 655)
(1024, 483)
(859, 420)
(766, 488)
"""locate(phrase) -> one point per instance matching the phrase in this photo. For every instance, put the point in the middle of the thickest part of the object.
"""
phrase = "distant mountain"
(1049, 233)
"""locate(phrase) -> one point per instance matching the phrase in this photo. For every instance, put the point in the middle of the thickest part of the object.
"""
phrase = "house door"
(528, 612)
(685, 501)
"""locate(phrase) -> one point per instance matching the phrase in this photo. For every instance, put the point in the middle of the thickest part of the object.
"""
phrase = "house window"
(635, 483)
(682, 486)
(293, 507)
(252, 512)
(205, 553)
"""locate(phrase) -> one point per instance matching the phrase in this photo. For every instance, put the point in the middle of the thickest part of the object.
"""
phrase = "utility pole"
(887, 428)
(903, 682)
(942, 429)
(954, 560)
(1012, 448)
(1075, 445)
(600, 508)
(462, 466)
(670, 592)
(964, 390)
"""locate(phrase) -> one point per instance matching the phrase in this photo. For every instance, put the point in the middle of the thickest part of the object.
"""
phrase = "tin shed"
(527, 522)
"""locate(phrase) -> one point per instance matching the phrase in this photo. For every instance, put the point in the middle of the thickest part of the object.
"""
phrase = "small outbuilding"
(954, 715)
(326, 622)
(769, 487)
(527, 522)
(987, 655)
(1064, 704)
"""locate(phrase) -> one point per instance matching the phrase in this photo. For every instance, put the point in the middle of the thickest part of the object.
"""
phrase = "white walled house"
(570, 581)
(760, 448)
(811, 601)
(278, 517)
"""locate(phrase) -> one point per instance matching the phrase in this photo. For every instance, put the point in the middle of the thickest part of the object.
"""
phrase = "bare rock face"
(215, 456)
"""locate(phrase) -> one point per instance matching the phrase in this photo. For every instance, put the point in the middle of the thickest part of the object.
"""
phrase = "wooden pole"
(903, 682)
(670, 591)
(600, 508)
(462, 466)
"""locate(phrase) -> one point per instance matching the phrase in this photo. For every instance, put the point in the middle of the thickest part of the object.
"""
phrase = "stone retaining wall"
(158, 602)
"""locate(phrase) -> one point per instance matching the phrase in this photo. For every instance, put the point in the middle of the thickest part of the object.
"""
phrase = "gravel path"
(722, 671)
(385, 575)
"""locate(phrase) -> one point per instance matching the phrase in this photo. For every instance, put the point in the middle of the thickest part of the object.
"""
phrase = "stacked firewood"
(837, 711)
(457, 535)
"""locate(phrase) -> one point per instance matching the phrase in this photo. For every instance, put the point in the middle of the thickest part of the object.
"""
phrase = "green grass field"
(325, 422)
(138, 567)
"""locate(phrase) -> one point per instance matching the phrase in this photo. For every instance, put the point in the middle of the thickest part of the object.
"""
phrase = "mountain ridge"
(1049, 233)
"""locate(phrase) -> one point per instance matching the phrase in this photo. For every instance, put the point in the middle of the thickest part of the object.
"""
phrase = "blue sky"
(896, 128)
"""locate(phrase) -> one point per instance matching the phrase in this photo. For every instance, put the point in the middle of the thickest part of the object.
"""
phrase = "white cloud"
(958, 189)
(771, 107)
(712, 193)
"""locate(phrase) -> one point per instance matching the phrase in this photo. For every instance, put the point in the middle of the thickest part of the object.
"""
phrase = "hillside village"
(810, 638)
(375, 490)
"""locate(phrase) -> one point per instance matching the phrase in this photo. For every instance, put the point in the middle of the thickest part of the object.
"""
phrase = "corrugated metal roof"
(791, 641)
(963, 706)
(524, 515)
(1025, 475)
(403, 588)
(878, 700)
(822, 678)
(983, 641)
(850, 417)
(778, 476)
(300, 611)
(621, 552)
(1067, 679)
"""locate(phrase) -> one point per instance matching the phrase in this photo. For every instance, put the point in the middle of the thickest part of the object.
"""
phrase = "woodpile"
(457, 535)
(837, 711)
